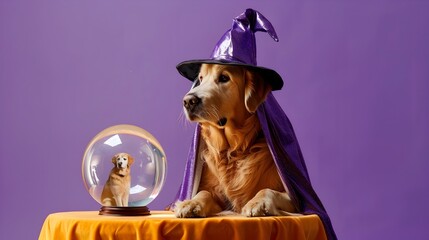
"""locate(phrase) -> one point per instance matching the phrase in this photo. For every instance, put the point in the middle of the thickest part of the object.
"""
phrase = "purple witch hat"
(238, 47)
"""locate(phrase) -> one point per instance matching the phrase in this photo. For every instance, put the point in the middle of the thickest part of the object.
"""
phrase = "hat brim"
(190, 70)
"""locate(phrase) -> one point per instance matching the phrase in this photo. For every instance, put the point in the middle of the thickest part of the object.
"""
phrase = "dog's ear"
(255, 91)
(130, 160)
(114, 159)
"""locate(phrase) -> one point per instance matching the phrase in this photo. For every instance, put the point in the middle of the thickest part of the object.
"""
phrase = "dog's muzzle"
(192, 105)
(121, 165)
(190, 102)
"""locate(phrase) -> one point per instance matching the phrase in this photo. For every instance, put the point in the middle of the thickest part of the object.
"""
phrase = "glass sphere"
(124, 159)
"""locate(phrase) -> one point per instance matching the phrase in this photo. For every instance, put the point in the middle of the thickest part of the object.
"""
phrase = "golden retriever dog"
(239, 173)
(117, 188)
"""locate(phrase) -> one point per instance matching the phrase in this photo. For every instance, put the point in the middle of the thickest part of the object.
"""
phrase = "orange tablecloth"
(164, 225)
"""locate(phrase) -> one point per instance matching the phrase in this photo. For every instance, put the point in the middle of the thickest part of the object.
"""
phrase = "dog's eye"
(223, 78)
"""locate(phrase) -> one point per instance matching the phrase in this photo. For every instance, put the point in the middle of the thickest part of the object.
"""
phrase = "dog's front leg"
(125, 199)
(269, 202)
(118, 200)
(202, 205)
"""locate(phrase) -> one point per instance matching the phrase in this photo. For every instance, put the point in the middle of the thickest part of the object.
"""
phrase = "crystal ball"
(124, 165)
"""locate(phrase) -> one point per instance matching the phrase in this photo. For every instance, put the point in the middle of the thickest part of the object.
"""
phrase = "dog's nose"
(190, 101)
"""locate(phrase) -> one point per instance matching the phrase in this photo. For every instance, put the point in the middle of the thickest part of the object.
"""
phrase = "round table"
(164, 225)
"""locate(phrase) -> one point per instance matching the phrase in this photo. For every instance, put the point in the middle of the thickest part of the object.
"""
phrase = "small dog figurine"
(117, 188)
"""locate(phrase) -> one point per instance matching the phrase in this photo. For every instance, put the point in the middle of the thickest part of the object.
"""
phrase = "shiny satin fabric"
(238, 44)
(164, 225)
(238, 47)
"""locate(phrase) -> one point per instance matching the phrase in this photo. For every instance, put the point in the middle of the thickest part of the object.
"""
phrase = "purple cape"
(287, 156)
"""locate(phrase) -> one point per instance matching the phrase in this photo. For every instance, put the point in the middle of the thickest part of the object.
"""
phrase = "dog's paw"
(189, 209)
(261, 205)
(258, 209)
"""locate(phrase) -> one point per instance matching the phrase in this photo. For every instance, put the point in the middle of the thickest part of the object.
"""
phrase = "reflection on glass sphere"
(141, 162)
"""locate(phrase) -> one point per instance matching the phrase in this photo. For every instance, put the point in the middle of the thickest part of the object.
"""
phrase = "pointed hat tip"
(258, 22)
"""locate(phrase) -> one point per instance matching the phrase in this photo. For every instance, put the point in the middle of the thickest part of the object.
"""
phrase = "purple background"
(356, 90)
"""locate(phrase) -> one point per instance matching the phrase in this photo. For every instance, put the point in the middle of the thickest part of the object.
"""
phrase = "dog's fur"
(117, 188)
(239, 173)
